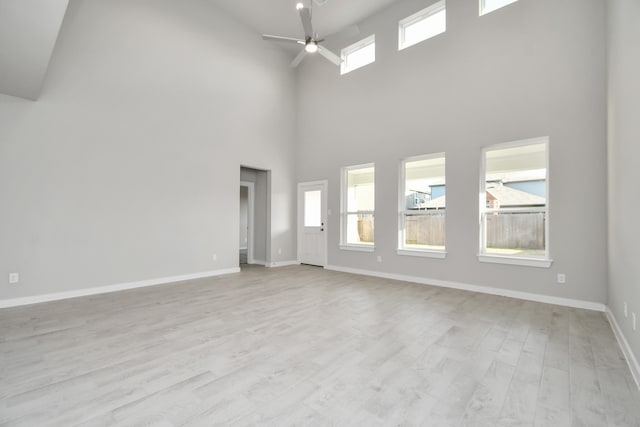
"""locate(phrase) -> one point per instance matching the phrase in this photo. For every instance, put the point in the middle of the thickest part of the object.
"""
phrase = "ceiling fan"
(311, 42)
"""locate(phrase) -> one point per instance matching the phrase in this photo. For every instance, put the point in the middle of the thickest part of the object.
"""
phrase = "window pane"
(516, 194)
(358, 55)
(516, 177)
(312, 208)
(360, 190)
(360, 229)
(424, 204)
(424, 186)
(425, 28)
(516, 233)
(424, 231)
(488, 6)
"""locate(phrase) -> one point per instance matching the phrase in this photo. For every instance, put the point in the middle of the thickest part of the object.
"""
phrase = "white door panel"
(312, 219)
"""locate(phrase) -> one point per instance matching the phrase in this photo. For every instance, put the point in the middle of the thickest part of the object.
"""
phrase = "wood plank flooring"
(307, 347)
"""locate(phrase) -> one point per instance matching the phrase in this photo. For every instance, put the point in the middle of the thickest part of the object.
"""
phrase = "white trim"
(324, 217)
(547, 299)
(15, 302)
(515, 260)
(422, 253)
(634, 367)
(259, 262)
(250, 218)
(276, 264)
(357, 248)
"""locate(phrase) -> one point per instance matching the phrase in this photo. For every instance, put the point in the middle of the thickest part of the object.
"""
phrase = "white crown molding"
(15, 302)
(547, 299)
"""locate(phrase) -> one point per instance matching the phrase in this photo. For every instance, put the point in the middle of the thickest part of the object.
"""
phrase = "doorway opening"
(254, 231)
(247, 190)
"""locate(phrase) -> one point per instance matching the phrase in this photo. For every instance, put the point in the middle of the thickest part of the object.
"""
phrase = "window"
(313, 208)
(357, 207)
(358, 55)
(422, 25)
(488, 6)
(513, 202)
(422, 206)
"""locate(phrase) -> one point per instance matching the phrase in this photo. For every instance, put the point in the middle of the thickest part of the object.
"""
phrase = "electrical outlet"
(14, 278)
(625, 309)
(633, 320)
(279, 251)
(562, 278)
(379, 258)
(214, 257)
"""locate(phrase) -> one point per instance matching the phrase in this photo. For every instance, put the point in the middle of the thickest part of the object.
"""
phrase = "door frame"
(250, 218)
(325, 188)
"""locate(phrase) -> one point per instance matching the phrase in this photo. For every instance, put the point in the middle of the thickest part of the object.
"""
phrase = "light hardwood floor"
(307, 347)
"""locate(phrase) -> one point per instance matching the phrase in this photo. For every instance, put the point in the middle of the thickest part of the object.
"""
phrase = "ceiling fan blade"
(282, 39)
(329, 55)
(298, 59)
(305, 17)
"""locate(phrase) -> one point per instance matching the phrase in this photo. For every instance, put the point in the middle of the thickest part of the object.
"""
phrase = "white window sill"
(528, 262)
(422, 253)
(358, 248)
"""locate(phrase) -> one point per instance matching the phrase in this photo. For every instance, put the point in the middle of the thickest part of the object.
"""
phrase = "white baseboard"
(282, 263)
(15, 302)
(257, 262)
(624, 345)
(567, 302)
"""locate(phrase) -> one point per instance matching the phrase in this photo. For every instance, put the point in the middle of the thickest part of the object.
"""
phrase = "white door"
(312, 221)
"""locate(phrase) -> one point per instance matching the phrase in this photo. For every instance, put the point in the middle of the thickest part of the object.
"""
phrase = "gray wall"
(624, 173)
(534, 68)
(127, 168)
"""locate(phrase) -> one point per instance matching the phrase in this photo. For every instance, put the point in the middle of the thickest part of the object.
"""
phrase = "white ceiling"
(28, 33)
(280, 17)
(29, 28)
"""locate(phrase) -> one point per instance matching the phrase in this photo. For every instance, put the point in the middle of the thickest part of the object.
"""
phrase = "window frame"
(344, 213)
(401, 248)
(359, 45)
(544, 261)
(482, 7)
(423, 14)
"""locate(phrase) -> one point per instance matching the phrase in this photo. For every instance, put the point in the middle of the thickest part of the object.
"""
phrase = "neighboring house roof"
(510, 197)
(437, 203)
(506, 197)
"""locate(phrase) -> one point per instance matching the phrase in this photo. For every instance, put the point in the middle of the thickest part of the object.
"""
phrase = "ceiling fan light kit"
(311, 47)
(311, 42)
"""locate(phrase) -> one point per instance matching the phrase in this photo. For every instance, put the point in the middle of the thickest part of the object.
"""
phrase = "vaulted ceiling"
(280, 17)
(29, 29)
(28, 33)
